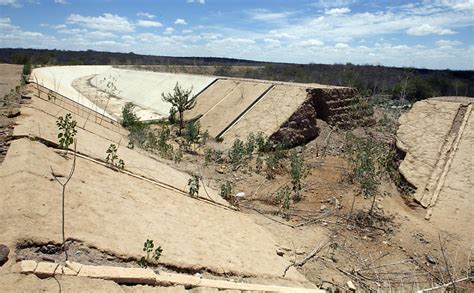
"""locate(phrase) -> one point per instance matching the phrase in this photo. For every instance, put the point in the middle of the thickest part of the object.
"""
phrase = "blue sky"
(436, 34)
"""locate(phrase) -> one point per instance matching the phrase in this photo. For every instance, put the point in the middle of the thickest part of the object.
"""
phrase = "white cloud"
(312, 43)
(105, 22)
(453, 4)
(180, 21)
(146, 14)
(447, 43)
(187, 31)
(337, 11)
(148, 23)
(332, 3)
(196, 1)
(169, 30)
(341, 46)
(13, 3)
(266, 15)
(427, 29)
(60, 1)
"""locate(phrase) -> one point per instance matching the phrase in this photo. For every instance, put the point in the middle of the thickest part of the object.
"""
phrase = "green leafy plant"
(112, 157)
(178, 156)
(27, 67)
(297, 173)
(226, 190)
(181, 100)
(283, 198)
(250, 145)
(236, 153)
(207, 156)
(165, 148)
(369, 162)
(172, 117)
(263, 145)
(129, 117)
(204, 137)
(272, 163)
(67, 128)
(258, 165)
(193, 184)
(151, 254)
(191, 134)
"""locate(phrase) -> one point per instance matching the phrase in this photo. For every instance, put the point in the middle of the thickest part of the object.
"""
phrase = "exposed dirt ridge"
(427, 196)
(334, 105)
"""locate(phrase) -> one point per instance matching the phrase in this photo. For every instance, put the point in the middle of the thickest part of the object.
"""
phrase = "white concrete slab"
(145, 88)
(60, 78)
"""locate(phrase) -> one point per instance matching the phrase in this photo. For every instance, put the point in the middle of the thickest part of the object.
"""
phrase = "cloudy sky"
(435, 34)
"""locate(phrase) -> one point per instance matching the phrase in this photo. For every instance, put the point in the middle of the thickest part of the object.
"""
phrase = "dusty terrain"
(10, 77)
(111, 212)
(438, 138)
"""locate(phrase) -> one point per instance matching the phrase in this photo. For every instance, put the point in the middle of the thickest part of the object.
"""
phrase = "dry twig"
(63, 185)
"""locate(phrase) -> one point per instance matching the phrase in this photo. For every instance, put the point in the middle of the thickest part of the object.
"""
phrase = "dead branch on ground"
(309, 256)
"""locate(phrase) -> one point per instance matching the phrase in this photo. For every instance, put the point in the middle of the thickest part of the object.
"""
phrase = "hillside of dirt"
(245, 212)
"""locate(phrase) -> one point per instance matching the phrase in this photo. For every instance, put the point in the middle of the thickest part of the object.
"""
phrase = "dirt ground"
(327, 231)
(10, 77)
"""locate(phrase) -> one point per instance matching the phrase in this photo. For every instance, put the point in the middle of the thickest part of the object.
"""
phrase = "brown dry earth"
(10, 76)
(438, 137)
(275, 108)
(116, 211)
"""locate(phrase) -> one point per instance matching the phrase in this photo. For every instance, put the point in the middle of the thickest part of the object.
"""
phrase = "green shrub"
(263, 144)
(181, 100)
(236, 153)
(191, 134)
(361, 155)
(155, 255)
(226, 191)
(27, 68)
(258, 164)
(297, 172)
(178, 156)
(250, 145)
(112, 157)
(164, 148)
(129, 118)
(283, 199)
(271, 166)
(193, 184)
(67, 128)
(172, 117)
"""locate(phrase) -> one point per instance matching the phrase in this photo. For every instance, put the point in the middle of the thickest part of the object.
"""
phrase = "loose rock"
(4, 251)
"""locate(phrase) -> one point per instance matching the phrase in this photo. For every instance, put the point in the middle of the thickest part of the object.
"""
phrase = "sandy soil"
(116, 212)
(438, 138)
(10, 76)
(276, 106)
(93, 140)
(228, 109)
(210, 97)
(417, 128)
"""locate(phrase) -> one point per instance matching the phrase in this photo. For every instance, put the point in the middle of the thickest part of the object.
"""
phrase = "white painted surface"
(145, 88)
(60, 78)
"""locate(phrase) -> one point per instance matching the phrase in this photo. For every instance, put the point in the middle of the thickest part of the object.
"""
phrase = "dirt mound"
(437, 136)
(117, 211)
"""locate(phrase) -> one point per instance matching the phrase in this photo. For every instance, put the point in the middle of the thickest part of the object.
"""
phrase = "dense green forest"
(400, 83)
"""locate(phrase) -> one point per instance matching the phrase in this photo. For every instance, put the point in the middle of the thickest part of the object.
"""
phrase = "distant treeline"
(406, 83)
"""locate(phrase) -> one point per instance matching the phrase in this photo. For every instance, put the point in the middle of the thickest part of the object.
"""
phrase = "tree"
(129, 118)
(181, 100)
